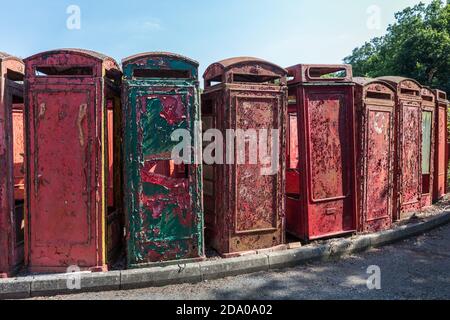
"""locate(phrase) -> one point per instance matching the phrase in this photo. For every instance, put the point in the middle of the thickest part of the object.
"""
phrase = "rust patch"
(81, 116)
(174, 110)
(244, 210)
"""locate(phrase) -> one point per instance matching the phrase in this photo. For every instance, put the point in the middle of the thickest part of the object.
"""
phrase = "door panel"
(328, 117)
(441, 143)
(379, 168)
(328, 154)
(63, 215)
(411, 155)
(167, 225)
(256, 201)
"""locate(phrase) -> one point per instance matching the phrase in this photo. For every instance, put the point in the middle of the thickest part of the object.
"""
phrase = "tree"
(416, 46)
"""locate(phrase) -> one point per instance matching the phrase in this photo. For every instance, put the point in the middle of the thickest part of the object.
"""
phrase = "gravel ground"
(417, 268)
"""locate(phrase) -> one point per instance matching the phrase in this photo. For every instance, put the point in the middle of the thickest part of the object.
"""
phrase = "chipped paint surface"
(68, 219)
(11, 166)
(375, 103)
(428, 145)
(408, 164)
(163, 201)
(411, 154)
(244, 210)
(441, 135)
(325, 204)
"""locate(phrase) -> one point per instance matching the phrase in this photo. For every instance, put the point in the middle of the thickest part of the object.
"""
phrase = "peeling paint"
(375, 107)
(11, 166)
(81, 116)
(163, 201)
(244, 209)
(325, 204)
(408, 168)
(441, 138)
(69, 221)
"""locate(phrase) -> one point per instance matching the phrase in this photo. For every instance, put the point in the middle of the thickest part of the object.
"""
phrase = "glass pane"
(426, 142)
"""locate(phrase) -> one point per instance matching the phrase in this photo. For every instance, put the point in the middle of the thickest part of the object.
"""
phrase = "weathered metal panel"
(428, 146)
(329, 163)
(408, 132)
(292, 165)
(163, 200)
(326, 203)
(11, 160)
(245, 208)
(410, 152)
(67, 161)
(110, 122)
(375, 103)
(441, 136)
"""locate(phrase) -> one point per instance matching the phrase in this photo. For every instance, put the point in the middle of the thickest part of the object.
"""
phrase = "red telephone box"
(408, 131)
(321, 174)
(428, 145)
(440, 155)
(244, 205)
(375, 107)
(11, 164)
(68, 220)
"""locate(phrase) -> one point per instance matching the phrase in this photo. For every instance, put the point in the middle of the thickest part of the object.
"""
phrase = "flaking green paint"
(154, 236)
(153, 122)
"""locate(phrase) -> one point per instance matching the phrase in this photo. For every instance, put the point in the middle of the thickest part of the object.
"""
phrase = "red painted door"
(255, 194)
(380, 143)
(441, 154)
(411, 162)
(329, 117)
(62, 198)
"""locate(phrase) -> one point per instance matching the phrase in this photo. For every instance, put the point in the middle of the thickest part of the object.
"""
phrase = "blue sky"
(283, 31)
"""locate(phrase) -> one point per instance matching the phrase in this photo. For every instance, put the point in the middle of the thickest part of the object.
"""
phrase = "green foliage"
(417, 46)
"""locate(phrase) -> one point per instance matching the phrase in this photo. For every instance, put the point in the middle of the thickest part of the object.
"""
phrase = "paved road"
(413, 269)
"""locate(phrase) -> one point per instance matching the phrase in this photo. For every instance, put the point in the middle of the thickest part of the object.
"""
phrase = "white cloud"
(152, 25)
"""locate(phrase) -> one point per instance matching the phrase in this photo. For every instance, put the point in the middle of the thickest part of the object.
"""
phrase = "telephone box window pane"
(293, 141)
(426, 142)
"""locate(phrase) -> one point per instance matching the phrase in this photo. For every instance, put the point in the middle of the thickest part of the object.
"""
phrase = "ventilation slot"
(64, 71)
(250, 78)
(161, 74)
(14, 76)
(378, 95)
(409, 92)
(327, 73)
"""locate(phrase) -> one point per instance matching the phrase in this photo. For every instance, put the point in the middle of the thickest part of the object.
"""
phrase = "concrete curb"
(46, 285)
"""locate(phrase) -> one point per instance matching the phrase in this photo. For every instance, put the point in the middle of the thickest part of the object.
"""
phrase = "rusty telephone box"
(68, 219)
(408, 128)
(321, 166)
(11, 164)
(163, 195)
(440, 154)
(245, 103)
(375, 109)
(428, 145)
